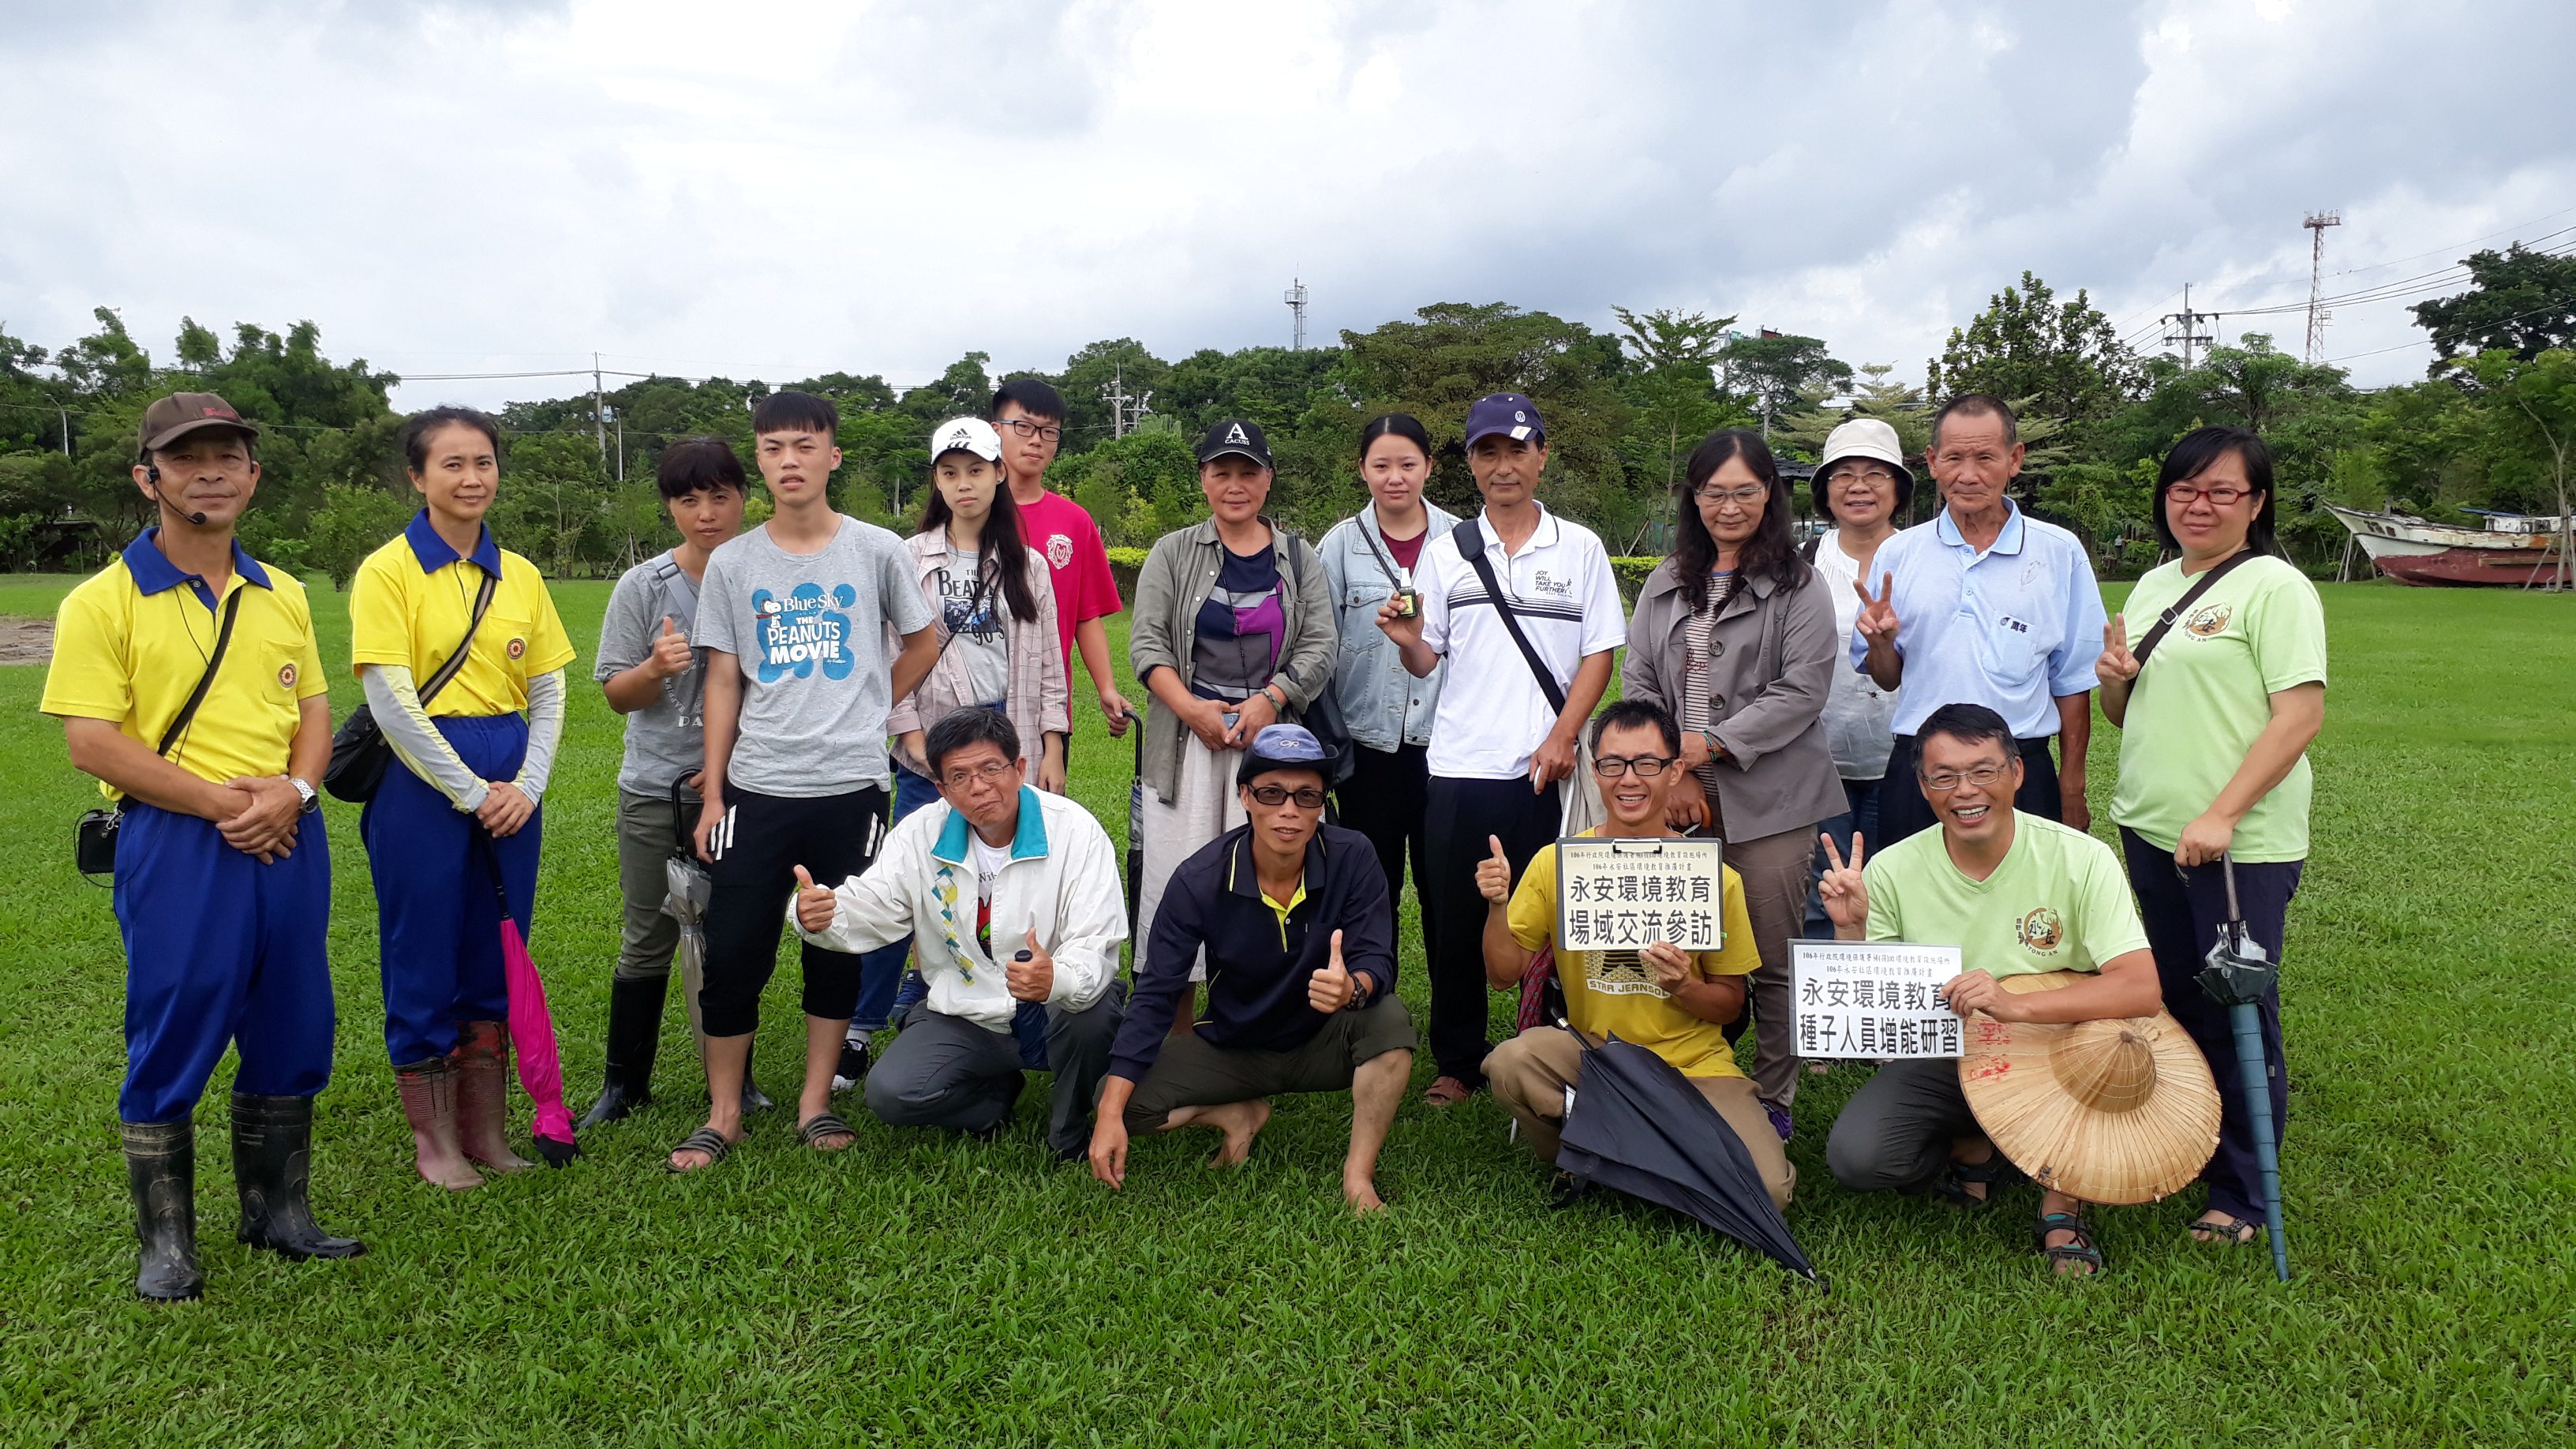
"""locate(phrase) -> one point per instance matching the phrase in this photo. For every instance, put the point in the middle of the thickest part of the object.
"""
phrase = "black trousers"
(1902, 810)
(2182, 911)
(1387, 798)
(757, 847)
(1462, 816)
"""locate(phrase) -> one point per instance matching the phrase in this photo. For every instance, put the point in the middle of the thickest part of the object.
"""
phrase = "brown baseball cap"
(174, 417)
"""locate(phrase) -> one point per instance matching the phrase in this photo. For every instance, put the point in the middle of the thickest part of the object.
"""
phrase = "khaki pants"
(1776, 870)
(1529, 1075)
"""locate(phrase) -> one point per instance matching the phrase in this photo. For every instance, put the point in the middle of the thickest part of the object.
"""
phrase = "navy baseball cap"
(1234, 435)
(1507, 413)
(1283, 747)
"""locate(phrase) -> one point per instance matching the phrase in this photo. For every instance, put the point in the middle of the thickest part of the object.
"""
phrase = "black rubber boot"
(273, 1167)
(161, 1171)
(634, 1030)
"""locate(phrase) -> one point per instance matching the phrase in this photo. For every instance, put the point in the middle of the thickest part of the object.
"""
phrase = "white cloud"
(768, 188)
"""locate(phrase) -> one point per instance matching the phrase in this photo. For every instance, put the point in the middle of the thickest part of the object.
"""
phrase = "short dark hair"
(1977, 405)
(1969, 724)
(1629, 714)
(1035, 395)
(418, 428)
(1394, 425)
(699, 465)
(2194, 454)
(971, 725)
(789, 412)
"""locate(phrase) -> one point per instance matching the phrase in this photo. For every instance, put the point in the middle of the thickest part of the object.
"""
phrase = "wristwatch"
(305, 791)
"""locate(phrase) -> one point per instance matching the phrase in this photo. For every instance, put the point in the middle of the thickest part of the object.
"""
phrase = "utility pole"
(67, 428)
(2316, 224)
(598, 416)
(2188, 320)
(1125, 412)
(1295, 297)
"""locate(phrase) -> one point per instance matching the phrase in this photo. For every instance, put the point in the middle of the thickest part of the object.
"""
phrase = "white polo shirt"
(1491, 716)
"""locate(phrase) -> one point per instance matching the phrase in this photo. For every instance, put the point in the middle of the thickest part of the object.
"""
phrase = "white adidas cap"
(967, 435)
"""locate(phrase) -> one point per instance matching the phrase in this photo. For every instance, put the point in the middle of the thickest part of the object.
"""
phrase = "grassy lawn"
(916, 1289)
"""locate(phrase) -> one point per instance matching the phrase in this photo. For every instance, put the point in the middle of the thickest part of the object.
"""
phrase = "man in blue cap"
(1300, 941)
(1526, 609)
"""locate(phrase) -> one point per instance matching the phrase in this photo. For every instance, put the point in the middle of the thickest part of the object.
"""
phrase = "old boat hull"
(2412, 551)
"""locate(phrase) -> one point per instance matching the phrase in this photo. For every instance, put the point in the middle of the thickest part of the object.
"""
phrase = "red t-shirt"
(1408, 551)
(1077, 564)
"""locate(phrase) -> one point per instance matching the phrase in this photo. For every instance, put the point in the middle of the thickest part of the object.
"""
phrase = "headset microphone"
(152, 475)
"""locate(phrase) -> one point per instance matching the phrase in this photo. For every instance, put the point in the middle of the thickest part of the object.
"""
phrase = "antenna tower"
(2316, 224)
(1295, 297)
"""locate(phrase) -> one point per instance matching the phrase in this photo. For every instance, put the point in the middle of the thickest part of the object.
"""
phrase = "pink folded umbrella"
(532, 1032)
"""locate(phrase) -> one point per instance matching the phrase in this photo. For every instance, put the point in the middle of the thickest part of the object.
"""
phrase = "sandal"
(707, 1140)
(2082, 1250)
(1951, 1187)
(1447, 1092)
(2233, 1234)
(814, 1129)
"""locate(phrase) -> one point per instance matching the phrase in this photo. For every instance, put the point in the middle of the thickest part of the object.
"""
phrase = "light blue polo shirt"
(2012, 628)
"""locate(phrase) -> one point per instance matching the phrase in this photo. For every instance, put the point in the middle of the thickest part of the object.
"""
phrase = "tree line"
(2489, 427)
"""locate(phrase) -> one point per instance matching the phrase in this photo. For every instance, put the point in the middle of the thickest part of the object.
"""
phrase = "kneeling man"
(2017, 893)
(1011, 899)
(1673, 1003)
(1300, 940)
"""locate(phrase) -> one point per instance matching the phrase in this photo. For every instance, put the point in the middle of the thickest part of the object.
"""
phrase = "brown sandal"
(1447, 1092)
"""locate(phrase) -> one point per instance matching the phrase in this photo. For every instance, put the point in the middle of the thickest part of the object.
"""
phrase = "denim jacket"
(1384, 705)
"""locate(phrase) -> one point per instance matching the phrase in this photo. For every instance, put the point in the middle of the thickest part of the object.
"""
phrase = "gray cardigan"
(1772, 658)
(1177, 578)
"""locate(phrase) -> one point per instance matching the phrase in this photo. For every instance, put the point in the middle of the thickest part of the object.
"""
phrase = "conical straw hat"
(2113, 1111)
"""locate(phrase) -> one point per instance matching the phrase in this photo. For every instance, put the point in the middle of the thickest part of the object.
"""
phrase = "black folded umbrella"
(1639, 1126)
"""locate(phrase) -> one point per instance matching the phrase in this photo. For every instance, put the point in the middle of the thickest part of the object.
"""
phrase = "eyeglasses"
(2188, 494)
(1275, 795)
(1741, 497)
(1946, 781)
(1874, 477)
(1044, 432)
(1645, 767)
(990, 773)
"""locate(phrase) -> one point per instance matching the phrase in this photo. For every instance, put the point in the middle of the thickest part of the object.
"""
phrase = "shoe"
(273, 1167)
(634, 1030)
(161, 1172)
(1780, 1120)
(482, 1059)
(1565, 1190)
(1019, 1082)
(428, 1091)
(853, 1069)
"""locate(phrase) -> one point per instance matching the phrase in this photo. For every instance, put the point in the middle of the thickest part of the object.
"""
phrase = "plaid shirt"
(1037, 701)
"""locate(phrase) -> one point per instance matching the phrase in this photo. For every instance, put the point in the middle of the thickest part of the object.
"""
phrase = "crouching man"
(1300, 941)
(1011, 899)
(1672, 1002)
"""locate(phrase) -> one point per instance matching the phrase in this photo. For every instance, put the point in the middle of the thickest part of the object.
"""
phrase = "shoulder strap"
(456, 661)
(1471, 546)
(1385, 564)
(2182, 606)
(205, 681)
(1809, 552)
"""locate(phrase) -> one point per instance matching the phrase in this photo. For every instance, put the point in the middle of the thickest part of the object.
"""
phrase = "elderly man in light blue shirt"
(1983, 605)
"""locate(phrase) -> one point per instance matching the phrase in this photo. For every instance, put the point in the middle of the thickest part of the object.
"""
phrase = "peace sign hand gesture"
(1846, 895)
(2117, 666)
(1877, 621)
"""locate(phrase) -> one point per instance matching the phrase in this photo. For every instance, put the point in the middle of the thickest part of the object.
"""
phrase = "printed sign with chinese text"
(1625, 895)
(1873, 1000)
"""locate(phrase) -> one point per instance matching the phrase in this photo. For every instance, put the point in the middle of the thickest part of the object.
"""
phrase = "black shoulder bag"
(1471, 546)
(2165, 621)
(94, 842)
(359, 749)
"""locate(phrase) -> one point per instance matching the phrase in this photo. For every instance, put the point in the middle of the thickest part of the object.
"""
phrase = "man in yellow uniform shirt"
(223, 875)
(1673, 1003)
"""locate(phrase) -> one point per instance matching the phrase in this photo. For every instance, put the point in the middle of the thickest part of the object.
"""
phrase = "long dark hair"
(2192, 456)
(1769, 551)
(1000, 548)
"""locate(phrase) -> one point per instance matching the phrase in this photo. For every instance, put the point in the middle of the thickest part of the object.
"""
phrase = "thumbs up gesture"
(2117, 665)
(1330, 989)
(815, 906)
(671, 654)
(1494, 874)
(1031, 974)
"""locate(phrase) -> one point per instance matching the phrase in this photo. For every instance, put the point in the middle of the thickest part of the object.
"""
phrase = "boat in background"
(2511, 549)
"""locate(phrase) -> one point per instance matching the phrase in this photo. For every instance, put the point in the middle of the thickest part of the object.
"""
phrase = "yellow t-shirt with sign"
(412, 599)
(1614, 992)
(131, 641)
(2058, 902)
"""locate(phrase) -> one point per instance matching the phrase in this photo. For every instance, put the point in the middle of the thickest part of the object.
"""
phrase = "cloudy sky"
(766, 188)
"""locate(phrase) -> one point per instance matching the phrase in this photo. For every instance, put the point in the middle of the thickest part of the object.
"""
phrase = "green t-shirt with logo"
(2059, 901)
(2206, 693)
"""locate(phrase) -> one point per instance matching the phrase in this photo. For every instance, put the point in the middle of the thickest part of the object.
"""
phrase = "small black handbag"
(359, 749)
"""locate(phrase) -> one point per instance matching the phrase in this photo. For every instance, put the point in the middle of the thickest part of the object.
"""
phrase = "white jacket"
(1061, 881)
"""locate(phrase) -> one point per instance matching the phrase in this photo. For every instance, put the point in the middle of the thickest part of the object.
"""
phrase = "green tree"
(2532, 404)
(1089, 377)
(2065, 356)
(353, 521)
(1672, 387)
(2520, 301)
(1776, 369)
(1878, 396)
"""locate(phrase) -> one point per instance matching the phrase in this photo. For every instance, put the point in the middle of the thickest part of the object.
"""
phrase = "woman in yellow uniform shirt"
(463, 805)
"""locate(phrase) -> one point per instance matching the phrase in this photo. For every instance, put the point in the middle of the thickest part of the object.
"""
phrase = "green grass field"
(921, 1290)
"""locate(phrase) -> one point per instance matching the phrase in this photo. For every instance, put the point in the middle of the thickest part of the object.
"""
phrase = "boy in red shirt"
(1029, 414)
